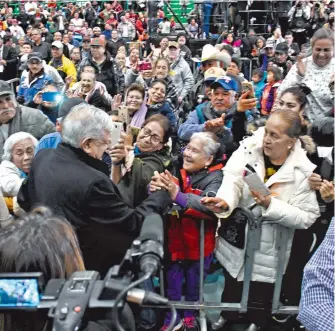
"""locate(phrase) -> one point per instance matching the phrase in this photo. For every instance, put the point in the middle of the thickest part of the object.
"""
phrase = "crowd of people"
(107, 125)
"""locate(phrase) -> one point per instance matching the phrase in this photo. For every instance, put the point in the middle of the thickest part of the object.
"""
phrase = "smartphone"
(145, 66)
(255, 183)
(246, 87)
(116, 132)
(124, 114)
(52, 96)
(133, 130)
(21, 291)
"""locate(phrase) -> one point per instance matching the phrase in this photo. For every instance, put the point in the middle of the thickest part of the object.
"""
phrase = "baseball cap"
(213, 73)
(269, 44)
(97, 42)
(5, 88)
(226, 83)
(58, 44)
(68, 104)
(173, 44)
(35, 56)
(282, 48)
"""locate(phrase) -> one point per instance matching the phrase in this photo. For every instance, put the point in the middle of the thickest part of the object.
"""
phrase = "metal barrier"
(253, 244)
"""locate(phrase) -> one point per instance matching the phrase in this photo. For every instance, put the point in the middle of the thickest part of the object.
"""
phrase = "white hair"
(209, 141)
(14, 139)
(85, 121)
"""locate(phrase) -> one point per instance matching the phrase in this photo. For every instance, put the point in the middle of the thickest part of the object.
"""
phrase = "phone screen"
(51, 96)
(19, 292)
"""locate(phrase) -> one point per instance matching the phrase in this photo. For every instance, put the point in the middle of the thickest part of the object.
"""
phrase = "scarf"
(139, 116)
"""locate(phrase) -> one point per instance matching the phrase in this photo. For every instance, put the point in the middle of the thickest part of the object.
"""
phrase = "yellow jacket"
(66, 69)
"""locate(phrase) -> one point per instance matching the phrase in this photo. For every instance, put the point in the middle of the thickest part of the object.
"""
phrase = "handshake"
(164, 181)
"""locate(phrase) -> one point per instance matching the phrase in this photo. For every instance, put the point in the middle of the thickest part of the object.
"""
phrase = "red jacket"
(139, 26)
(184, 232)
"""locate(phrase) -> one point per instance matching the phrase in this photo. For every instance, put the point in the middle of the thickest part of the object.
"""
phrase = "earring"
(289, 147)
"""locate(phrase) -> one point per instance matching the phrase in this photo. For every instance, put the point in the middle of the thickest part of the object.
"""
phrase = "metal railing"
(252, 245)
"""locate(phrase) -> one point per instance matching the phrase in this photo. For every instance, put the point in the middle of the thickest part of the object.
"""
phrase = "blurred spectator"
(193, 29)
(75, 57)
(19, 150)
(235, 67)
(258, 82)
(315, 72)
(16, 30)
(112, 21)
(107, 32)
(282, 59)
(141, 24)
(77, 21)
(180, 72)
(85, 47)
(8, 60)
(90, 15)
(96, 32)
(91, 91)
(15, 118)
(60, 62)
(134, 57)
(33, 79)
(164, 27)
(104, 67)
(233, 42)
(40, 46)
(150, 154)
(126, 30)
(100, 214)
(276, 37)
(299, 16)
(274, 77)
(258, 47)
(269, 52)
(60, 21)
(293, 48)
(185, 52)
(30, 7)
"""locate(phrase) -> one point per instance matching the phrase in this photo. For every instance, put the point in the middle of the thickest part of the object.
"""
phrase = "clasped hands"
(164, 181)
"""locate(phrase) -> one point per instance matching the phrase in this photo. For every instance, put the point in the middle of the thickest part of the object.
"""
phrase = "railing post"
(202, 314)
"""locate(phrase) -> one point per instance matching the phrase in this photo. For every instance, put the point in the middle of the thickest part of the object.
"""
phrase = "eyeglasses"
(155, 139)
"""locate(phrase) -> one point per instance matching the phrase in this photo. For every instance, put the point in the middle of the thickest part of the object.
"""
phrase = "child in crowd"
(258, 82)
(274, 77)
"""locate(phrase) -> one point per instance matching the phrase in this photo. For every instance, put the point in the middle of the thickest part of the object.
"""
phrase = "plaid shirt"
(317, 297)
(131, 30)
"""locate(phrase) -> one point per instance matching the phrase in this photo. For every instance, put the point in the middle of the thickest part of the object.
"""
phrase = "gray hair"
(209, 140)
(85, 121)
(14, 139)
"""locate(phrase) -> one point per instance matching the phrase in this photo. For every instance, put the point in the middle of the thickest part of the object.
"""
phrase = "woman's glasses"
(155, 139)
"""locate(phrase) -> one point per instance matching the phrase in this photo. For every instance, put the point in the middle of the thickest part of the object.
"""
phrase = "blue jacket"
(165, 110)
(50, 140)
(29, 89)
(258, 88)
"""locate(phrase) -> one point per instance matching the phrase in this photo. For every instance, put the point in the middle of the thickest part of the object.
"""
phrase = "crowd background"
(113, 110)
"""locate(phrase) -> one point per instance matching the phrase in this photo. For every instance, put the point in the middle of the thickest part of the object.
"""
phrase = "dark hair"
(40, 241)
(322, 33)
(156, 81)
(237, 61)
(136, 87)
(163, 122)
(292, 121)
(300, 93)
(229, 49)
(28, 43)
(161, 59)
(277, 73)
(289, 33)
(6, 39)
(258, 72)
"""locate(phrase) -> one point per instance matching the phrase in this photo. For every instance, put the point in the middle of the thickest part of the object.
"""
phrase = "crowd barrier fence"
(252, 245)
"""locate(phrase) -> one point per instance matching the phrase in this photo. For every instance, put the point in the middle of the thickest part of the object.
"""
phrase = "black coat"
(77, 186)
(10, 56)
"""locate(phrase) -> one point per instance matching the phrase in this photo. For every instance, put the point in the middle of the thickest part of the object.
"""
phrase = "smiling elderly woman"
(277, 155)
(19, 150)
(315, 72)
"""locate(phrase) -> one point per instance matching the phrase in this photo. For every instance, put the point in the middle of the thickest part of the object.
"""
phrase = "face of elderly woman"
(276, 143)
(157, 93)
(150, 138)
(323, 51)
(134, 101)
(195, 157)
(23, 153)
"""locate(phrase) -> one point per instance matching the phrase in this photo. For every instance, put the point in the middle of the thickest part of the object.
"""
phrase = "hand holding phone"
(124, 114)
(116, 133)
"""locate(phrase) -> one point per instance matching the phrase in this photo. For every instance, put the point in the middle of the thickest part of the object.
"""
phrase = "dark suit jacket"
(10, 56)
(77, 186)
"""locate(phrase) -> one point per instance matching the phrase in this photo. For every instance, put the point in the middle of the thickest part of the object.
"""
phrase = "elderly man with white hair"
(15, 118)
(74, 182)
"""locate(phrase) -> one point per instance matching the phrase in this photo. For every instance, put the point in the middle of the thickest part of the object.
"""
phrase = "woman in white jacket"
(19, 150)
(276, 153)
